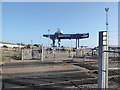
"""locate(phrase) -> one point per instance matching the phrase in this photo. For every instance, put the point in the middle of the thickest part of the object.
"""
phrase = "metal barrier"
(113, 68)
(28, 54)
(46, 54)
(53, 54)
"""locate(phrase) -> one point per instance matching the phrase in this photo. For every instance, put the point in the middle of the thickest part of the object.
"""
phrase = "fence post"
(103, 60)
(42, 53)
(22, 54)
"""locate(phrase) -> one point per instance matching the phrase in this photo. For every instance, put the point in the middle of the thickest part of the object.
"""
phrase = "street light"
(48, 36)
(48, 39)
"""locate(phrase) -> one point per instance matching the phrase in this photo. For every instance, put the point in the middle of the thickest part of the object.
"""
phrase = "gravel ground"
(38, 69)
(66, 74)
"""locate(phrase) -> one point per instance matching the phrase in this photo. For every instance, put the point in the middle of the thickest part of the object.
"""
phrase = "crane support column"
(78, 43)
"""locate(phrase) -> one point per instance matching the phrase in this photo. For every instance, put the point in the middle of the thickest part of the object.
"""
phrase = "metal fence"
(57, 54)
(46, 54)
(109, 58)
(113, 67)
(10, 53)
(29, 54)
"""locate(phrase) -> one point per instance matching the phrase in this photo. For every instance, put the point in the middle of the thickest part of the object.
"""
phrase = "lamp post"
(48, 39)
(107, 9)
(40, 48)
(106, 48)
(48, 36)
(103, 56)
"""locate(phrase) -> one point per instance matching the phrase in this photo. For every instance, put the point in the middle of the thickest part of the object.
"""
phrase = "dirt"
(39, 69)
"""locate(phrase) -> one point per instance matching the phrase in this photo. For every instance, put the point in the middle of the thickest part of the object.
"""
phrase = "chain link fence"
(47, 54)
(113, 66)
(57, 54)
(9, 54)
(29, 54)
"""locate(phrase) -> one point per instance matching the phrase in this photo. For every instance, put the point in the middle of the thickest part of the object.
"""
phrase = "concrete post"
(103, 60)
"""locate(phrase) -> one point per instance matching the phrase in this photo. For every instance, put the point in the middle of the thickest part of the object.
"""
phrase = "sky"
(26, 21)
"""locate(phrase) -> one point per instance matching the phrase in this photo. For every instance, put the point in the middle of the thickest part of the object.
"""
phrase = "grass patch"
(3, 58)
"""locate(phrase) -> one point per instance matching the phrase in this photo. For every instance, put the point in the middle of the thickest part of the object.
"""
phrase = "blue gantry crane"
(59, 35)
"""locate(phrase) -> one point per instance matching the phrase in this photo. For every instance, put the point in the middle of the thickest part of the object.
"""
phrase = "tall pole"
(40, 48)
(42, 53)
(106, 9)
(76, 44)
(106, 48)
(48, 36)
(48, 39)
(103, 56)
(119, 31)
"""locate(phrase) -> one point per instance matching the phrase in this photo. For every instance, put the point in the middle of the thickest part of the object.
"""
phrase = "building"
(10, 45)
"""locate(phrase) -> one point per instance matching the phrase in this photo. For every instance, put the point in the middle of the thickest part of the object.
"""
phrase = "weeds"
(3, 58)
